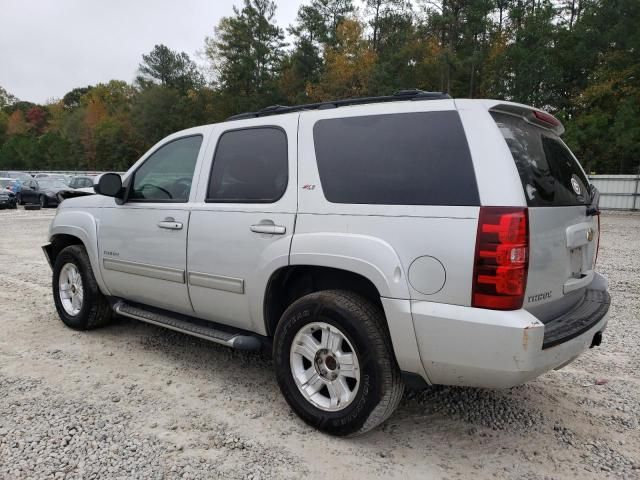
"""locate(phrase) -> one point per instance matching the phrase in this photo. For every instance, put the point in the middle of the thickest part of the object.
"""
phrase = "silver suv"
(370, 243)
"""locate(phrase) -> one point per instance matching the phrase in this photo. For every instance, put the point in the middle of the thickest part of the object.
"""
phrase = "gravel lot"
(136, 401)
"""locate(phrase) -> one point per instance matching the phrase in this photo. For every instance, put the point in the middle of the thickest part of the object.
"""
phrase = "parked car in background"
(43, 191)
(22, 176)
(61, 176)
(7, 197)
(82, 181)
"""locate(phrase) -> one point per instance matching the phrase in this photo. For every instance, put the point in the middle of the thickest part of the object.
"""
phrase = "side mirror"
(108, 184)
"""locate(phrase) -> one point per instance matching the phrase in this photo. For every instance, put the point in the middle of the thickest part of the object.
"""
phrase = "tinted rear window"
(397, 159)
(550, 174)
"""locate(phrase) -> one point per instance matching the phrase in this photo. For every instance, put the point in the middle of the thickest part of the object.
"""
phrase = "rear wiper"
(593, 209)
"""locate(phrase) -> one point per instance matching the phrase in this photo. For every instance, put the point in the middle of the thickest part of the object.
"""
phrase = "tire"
(43, 201)
(379, 388)
(94, 310)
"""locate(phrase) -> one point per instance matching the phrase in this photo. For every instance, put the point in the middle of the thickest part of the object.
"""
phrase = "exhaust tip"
(597, 340)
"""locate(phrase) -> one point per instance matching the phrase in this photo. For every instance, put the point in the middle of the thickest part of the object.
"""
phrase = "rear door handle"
(268, 228)
(170, 224)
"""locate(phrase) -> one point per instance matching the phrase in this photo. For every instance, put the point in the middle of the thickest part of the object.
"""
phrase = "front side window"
(396, 159)
(249, 166)
(167, 174)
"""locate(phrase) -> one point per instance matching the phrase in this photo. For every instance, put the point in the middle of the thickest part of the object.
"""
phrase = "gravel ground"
(136, 401)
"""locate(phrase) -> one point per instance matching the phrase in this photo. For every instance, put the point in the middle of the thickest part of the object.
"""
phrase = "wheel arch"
(288, 284)
(77, 228)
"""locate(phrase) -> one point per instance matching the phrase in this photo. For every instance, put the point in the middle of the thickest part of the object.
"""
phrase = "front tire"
(78, 300)
(335, 364)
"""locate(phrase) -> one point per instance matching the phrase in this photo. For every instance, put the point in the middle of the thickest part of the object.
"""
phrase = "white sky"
(49, 47)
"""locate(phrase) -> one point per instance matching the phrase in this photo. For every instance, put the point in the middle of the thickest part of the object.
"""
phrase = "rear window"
(550, 174)
(397, 159)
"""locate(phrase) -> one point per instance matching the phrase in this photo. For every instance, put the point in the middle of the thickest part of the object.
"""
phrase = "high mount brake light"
(502, 258)
(546, 118)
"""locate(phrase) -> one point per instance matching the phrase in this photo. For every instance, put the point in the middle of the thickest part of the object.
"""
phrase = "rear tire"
(72, 273)
(310, 387)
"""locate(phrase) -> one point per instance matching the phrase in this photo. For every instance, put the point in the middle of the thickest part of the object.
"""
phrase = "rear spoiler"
(532, 115)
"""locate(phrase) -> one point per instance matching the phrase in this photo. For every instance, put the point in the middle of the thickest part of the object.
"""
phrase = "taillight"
(547, 118)
(502, 258)
(595, 260)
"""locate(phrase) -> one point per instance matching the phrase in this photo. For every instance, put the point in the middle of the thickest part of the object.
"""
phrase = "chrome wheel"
(70, 289)
(325, 366)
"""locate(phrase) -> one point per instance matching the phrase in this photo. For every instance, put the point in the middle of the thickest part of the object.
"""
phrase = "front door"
(241, 227)
(142, 242)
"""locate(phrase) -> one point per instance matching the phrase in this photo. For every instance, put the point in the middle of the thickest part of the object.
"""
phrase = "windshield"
(51, 183)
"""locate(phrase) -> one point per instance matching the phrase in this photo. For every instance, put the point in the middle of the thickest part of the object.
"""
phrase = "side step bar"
(190, 326)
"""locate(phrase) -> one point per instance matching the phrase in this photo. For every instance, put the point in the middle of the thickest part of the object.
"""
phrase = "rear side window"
(397, 159)
(550, 174)
(250, 166)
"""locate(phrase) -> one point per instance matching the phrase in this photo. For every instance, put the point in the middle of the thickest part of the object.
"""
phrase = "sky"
(49, 47)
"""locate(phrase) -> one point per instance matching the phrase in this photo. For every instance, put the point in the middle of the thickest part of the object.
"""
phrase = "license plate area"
(576, 257)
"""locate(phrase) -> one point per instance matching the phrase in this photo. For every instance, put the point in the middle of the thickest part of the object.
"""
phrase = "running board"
(195, 327)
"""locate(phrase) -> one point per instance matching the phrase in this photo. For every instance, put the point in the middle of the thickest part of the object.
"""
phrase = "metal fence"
(618, 192)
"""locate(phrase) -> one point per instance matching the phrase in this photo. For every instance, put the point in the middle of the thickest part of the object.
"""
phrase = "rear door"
(241, 227)
(563, 235)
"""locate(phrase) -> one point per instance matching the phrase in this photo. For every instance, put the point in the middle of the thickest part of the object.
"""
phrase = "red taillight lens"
(502, 257)
(546, 118)
(595, 260)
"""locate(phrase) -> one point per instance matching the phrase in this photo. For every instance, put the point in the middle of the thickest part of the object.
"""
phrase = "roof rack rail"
(411, 94)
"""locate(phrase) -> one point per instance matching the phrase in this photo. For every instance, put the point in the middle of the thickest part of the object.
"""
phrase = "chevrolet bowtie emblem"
(590, 234)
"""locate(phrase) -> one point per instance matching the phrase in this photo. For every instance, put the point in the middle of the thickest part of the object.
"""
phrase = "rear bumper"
(487, 348)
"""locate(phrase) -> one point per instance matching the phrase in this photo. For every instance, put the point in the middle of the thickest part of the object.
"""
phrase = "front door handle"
(170, 224)
(268, 228)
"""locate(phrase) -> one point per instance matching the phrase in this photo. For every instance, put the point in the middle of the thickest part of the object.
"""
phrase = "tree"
(71, 99)
(348, 65)
(6, 98)
(333, 13)
(246, 55)
(170, 69)
(304, 64)
(17, 125)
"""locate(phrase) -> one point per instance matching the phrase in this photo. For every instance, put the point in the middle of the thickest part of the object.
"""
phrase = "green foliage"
(246, 55)
(579, 59)
(6, 98)
(170, 69)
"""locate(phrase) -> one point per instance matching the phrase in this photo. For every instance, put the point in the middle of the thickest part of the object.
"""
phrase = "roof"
(402, 95)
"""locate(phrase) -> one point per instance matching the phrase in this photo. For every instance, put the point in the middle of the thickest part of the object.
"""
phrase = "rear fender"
(368, 256)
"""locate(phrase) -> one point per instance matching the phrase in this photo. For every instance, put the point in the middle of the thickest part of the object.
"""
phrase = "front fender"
(83, 225)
